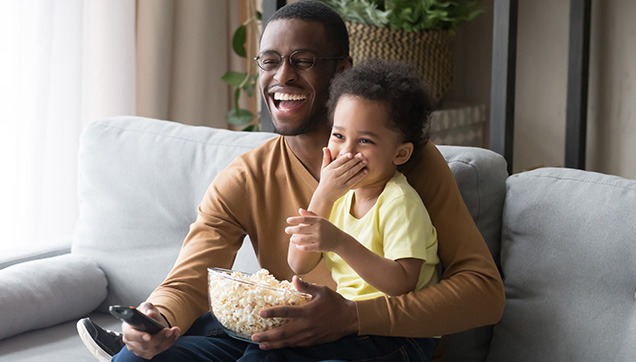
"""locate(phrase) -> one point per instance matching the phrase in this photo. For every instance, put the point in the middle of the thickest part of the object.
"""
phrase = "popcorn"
(237, 298)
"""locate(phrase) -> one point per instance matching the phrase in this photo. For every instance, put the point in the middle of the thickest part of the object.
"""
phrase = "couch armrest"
(41, 293)
(53, 247)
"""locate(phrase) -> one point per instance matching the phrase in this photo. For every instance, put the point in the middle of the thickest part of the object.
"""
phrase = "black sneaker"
(101, 342)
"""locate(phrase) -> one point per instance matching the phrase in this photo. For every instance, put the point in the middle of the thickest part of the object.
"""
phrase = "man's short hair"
(315, 11)
(397, 85)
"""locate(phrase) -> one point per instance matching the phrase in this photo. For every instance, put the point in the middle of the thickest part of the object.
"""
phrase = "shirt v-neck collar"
(298, 167)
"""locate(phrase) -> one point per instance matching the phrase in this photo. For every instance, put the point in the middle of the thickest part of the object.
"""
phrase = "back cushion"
(481, 175)
(568, 257)
(140, 183)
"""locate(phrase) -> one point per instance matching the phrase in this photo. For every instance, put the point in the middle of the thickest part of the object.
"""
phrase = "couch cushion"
(44, 292)
(481, 175)
(568, 257)
(59, 343)
(141, 181)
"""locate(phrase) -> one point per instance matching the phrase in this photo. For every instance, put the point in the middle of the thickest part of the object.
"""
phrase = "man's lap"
(212, 344)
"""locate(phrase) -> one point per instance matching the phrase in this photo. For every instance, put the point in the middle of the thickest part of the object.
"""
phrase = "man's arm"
(213, 241)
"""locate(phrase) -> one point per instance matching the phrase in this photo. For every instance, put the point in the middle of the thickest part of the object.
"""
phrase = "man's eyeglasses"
(300, 60)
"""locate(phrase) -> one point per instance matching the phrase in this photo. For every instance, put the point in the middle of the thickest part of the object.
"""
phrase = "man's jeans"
(206, 341)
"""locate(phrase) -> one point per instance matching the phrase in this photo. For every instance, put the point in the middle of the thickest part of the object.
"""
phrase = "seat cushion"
(568, 257)
(59, 343)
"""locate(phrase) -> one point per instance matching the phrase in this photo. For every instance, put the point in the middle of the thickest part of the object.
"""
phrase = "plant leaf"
(250, 85)
(237, 95)
(240, 117)
(234, 78)
(251, 128)
(238, 41)
(410, 15)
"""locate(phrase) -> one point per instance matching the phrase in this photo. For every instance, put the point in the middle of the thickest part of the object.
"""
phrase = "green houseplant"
(243, 82)
(409, 15)
(416, 31)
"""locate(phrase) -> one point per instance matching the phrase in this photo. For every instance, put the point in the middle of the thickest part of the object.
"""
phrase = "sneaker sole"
(90, 344)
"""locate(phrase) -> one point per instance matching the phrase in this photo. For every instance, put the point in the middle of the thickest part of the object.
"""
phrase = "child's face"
(360, 126)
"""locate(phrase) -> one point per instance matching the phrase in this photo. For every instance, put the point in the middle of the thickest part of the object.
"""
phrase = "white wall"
(612, 122)
(541, 83)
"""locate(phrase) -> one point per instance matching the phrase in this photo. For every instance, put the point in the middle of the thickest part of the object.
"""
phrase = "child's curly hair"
(398, 86)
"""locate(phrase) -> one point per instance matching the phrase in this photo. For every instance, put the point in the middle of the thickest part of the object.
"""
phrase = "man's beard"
(308, 126)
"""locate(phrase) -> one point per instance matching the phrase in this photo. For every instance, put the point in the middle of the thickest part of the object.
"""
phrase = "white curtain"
(63, 63)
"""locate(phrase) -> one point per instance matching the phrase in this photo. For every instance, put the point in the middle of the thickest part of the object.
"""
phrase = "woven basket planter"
(430, 52)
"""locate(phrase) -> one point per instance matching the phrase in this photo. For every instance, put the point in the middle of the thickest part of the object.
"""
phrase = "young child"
(364, 219)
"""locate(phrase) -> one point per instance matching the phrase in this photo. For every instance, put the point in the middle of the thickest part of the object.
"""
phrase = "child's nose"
(348, 148)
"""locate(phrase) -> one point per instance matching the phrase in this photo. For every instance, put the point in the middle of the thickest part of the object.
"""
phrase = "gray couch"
(566, 240)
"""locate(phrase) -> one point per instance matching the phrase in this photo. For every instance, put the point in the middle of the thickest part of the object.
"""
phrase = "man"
(303, 47)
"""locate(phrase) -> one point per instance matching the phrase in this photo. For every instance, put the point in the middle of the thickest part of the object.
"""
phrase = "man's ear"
(404, 152)
(345, 64)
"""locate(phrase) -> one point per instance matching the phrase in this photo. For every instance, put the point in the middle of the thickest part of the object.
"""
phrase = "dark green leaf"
(234, 78)
(238, 41)
(251, 128)
(240, 118)
(250, 85)
(237, 95)
(410, 15)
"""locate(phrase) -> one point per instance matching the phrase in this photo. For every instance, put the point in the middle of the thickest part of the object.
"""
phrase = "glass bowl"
(236, 298)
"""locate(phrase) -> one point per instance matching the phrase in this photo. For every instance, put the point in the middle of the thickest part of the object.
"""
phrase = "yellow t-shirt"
(396, 227)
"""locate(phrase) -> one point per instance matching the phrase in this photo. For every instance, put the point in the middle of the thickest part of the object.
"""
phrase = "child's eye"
(365, 140)
(337, 135)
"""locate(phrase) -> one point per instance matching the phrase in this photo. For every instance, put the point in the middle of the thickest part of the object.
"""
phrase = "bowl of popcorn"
(236, 299)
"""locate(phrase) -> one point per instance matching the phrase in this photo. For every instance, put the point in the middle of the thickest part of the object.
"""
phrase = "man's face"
(297, 99)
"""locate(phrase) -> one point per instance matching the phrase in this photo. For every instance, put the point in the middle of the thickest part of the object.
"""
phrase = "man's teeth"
(289, 97)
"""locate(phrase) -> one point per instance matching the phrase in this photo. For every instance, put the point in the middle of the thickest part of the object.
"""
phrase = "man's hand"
(144, 344)
(326, 318)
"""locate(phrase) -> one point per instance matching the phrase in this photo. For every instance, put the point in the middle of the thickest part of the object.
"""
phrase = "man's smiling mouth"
(285, 101)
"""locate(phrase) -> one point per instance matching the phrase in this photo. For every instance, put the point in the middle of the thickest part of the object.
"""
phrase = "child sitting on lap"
(364, 219)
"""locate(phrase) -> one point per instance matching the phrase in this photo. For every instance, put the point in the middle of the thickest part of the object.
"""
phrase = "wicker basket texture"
(429, 51)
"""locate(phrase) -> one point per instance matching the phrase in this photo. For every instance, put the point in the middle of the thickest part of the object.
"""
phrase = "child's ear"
(404, 152)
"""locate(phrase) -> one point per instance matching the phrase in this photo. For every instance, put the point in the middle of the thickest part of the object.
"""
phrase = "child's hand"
(310, 232)
(339, 175)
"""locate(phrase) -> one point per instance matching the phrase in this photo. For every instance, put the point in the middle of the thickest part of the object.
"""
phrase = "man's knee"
(126, 356)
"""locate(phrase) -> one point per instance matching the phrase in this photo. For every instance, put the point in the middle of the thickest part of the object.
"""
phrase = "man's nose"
(285, 73)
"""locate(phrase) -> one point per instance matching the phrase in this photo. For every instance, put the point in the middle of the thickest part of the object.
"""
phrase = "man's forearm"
(449, 307)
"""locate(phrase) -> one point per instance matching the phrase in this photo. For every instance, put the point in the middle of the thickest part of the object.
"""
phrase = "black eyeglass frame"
(289, 59)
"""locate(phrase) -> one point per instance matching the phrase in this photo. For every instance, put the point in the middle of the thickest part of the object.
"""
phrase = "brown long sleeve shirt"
(261, 188)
